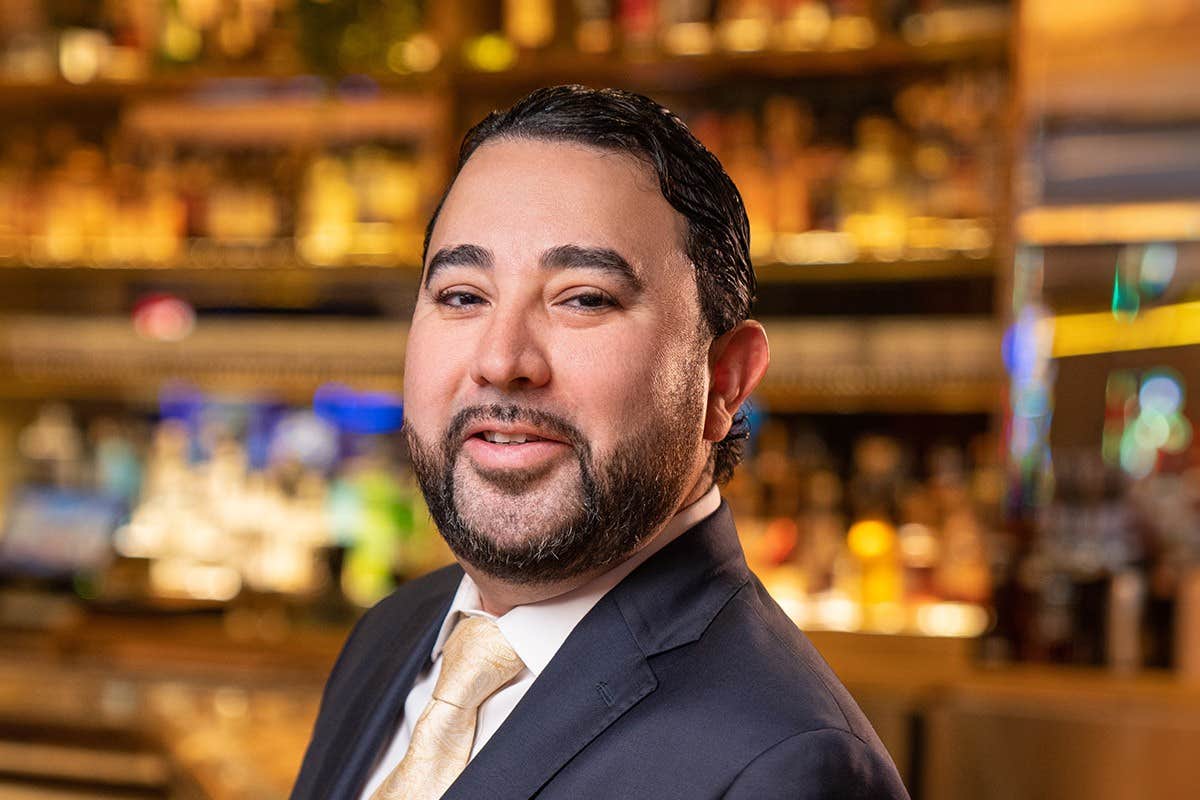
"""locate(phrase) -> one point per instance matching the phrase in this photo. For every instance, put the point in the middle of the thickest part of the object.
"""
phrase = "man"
(578, 354)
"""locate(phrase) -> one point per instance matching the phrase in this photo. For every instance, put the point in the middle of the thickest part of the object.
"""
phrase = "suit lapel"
(372, 712)
(602, 671)
(597, 675)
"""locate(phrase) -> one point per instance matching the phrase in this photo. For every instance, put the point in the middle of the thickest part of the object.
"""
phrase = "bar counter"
(162, 707)
(185, 708)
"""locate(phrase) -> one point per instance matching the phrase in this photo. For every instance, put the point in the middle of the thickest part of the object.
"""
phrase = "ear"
(737, 360)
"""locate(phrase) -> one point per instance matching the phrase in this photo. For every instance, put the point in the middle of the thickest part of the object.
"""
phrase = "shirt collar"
(536, 631)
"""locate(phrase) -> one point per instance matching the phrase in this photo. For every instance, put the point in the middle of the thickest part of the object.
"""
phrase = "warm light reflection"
(870, 539)
(689, 39)
(1115, 223)
(952, 619)
(837, 612)
(194, 581)
(1175, 325)
(491, 52)
(886, 618)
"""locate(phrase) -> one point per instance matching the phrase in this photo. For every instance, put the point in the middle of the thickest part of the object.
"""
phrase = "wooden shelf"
(203, 84)
(294, 287)
(677, 73)
(280, 121)
(283, 269)
(889, 365)
(103, 357)
(950, 366)
(657, 71)
(1110, 223)
(873, 271)
(289, 285)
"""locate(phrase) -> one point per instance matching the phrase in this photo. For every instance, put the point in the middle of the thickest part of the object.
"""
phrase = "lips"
(501, 447)
(510, 434)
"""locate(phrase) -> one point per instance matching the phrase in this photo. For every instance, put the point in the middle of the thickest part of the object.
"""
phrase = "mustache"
(511, 413)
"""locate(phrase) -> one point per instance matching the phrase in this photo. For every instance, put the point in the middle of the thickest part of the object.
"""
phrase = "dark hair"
(690, 176)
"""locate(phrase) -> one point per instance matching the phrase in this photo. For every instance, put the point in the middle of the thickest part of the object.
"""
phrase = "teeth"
(496, 437)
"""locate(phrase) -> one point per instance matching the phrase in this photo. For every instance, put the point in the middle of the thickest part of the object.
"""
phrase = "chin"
(518, 509)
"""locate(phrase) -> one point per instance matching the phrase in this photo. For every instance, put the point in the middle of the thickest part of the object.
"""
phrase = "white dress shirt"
(535, 631)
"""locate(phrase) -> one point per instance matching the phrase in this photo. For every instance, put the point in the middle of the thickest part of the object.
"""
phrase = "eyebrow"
(564, 256)
(461, 255)
(573, 256)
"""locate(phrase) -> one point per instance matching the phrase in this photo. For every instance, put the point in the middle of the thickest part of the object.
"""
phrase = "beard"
(598, 519)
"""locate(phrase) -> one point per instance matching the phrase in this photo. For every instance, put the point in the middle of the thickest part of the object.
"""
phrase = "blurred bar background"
(973, 477)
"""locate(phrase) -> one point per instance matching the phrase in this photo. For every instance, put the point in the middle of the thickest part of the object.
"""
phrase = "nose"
(509, 356)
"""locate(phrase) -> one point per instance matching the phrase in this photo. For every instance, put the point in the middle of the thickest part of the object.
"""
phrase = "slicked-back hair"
(691, 179)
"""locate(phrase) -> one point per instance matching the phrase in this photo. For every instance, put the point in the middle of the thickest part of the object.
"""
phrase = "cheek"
(430, 375)
(620, 378)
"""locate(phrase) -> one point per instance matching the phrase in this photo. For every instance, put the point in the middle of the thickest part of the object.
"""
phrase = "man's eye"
(591, 301)
(457, 299)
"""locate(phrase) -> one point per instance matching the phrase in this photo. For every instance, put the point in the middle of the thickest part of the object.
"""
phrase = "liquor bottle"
(328, 212)
(52, 447)
(802, 25)
(686, 27)
(744, 26)
(387, 185)
(594, 29)
(872, 543)
(637, 22)
(181, 38)
(788, 126)
(746, 164)
(823, 530)
(851, 26)
(873, 200)
(529, 24)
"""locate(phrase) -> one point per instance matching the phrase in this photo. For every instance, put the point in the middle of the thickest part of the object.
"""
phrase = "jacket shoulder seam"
(849, 728)
(767, 750)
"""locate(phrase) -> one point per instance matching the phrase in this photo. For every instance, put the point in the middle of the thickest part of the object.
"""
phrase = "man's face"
(558, 309)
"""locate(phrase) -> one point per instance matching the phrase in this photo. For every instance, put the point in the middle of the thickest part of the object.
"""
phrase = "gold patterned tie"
(476, 661)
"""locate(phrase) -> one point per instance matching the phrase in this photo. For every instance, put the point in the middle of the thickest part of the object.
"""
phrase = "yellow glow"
(887, 617)
(837, 612)
(787, 587)
(852, 33)
(1087, 334)
(180, 41)
(689, 39)
(952, 619)
(814, 247)
(805, 27)
(919, 545)
(529, 23)
(374, 238)
(179, 578)
(745, 35)
(870, 539)
(491, 52)
(81, 55)
(421, 53)
(1117, 222)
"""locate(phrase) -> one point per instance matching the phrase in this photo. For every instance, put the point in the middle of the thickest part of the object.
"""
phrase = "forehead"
(521, 196)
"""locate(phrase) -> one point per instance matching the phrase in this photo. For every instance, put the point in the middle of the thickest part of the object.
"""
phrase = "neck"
(498, 597)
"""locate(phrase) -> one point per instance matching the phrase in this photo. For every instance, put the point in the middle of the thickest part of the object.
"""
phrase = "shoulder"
(785, 717)
(768, 667)
(826, 764)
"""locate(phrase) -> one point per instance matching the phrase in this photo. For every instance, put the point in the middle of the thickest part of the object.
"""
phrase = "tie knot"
(476, 661)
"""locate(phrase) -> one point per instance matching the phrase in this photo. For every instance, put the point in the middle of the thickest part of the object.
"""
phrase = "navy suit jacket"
(685, 681)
